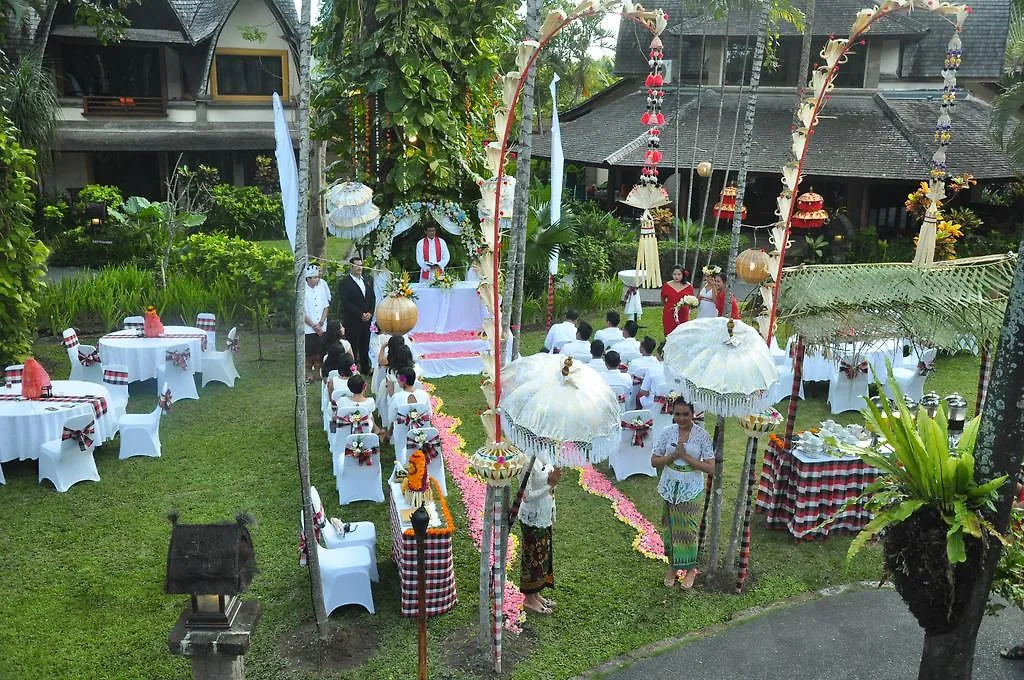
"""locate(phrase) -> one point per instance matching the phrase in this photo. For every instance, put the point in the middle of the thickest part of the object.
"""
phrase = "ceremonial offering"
(499, 463)
(151, 326)
(35, 382)
(765, 421)
(416, 482)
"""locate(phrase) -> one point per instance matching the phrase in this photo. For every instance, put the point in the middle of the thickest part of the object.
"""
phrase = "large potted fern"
(928, 510)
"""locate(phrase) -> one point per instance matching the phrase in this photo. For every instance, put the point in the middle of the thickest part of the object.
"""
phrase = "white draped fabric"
(143, 356)
(27, 424)
(444, 311)
(819, 367)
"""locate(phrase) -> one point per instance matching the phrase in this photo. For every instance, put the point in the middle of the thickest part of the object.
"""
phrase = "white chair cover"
(207, 322)
(435, 466)
(134, 323)
(582, 357)
(628, 355)
(408, 416)
(64, 461)
(556, 346)
(327, 403)
(84, 359)
(637, 376)
(182, 381)
(911, 378)
(345, 574)
(220, 366)
(844, 393)
(659, 394)
(358, 482)
(358, 533)
(629, 459)
(622, 395)
(115, 379)
(140, 434)
(348, 420)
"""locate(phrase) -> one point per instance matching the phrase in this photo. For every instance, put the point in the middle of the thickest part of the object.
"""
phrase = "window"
(249, 74)
(850, 74)
(116, 70)
(739, 59)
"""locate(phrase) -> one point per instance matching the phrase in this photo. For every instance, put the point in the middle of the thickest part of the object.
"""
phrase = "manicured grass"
(82, 572)
(336, 249)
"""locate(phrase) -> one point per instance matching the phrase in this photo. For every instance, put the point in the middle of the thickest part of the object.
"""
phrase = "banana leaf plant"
(923, 472)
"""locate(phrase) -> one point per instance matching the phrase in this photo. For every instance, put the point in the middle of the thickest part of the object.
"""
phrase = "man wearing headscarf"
(318, 300)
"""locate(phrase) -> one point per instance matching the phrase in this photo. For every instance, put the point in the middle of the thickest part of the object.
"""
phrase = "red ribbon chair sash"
(88, 359)
(83, 436)
(165, 402)
(640, 431)
(851, 370)
(356, 422)
(924, 368)
(363, 455)
(430, 447)
(413, 421)
(179, 359)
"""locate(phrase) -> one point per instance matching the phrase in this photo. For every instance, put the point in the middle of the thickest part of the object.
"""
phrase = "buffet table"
(798, 492)
(444, 311)
(26, 424)
(441, 595)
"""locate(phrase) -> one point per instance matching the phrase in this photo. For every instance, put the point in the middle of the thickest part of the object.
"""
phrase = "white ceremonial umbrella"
(350, 210)
(557, 409)
(726, 371)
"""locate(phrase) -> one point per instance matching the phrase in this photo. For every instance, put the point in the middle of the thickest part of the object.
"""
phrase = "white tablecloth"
(818, 367)
(444, 311)
(25, 425)
(142, 356)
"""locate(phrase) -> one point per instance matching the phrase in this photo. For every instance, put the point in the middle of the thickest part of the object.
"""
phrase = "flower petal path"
(648, 540)
(474, 492)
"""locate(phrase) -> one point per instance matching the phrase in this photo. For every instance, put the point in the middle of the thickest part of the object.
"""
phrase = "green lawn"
(337, 248)
(82, 572)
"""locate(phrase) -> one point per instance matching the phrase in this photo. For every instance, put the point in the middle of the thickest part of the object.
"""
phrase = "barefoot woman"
(684, 453)
(536, 515)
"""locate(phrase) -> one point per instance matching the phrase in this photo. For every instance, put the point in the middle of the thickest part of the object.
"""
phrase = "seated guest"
(581, 345)
(357, 398)
(655, 374)
(562, 332)
(611, 374)
(646, 358)
(407, 391)
(340, 361)
(596, 351)
(335, 346)
(629, 344)
(611, 334)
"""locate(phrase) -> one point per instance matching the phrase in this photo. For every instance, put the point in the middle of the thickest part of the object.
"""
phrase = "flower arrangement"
(398, 287)
(441, 280)
(447, 211)
(686, 301)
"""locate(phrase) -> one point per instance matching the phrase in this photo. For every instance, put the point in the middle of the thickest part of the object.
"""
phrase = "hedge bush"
(246, 212)
(22, 255)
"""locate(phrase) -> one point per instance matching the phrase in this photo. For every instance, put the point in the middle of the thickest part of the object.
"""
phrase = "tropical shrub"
(96, 193)
(246, 212)
(22, 255)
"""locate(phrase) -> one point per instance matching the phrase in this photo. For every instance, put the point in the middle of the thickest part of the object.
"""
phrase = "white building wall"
(257, 13)
(890, 62)
(70, 171)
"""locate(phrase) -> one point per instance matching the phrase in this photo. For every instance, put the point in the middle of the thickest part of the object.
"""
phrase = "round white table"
(143, 355)
(26, 424)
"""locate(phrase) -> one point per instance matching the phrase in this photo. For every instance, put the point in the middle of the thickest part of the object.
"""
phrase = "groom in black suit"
(357, 304)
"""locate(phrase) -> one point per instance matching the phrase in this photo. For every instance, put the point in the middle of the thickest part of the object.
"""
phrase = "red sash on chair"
(640, 430)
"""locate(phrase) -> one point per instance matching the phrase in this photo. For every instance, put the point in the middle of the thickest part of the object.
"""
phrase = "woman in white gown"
(706, 297)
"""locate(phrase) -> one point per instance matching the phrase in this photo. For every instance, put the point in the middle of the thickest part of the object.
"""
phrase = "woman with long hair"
(674, 311)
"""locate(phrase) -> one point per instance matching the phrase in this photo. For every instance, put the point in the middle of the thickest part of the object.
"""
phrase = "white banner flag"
(286, 170)
(557, 168)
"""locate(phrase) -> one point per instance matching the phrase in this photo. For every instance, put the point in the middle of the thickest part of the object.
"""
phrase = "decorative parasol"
(725, 364)
(557, 409)
(726, 207)
(350, 210)
(810, 211)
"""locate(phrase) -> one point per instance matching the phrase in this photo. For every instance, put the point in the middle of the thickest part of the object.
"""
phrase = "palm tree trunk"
(737, 220)
(806, 45)
(301, 419)
(43, 31)
(520, 207)
(317, 229)
(997, 452)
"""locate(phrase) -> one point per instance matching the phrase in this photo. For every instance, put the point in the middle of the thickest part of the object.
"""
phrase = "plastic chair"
(358, 534)
(85, 359)
(220, 366)
(435, 467)
(69, 460)
(358, 482)
(207, 322)
(115, 379)
(135, 323)
(345, 573)
(845, 393)
(405, 420)
(182, 381)
(140, 432)
(911, 380)
(630, 459)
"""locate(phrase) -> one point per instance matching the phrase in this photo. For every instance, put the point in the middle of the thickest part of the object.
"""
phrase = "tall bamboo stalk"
(301, 419)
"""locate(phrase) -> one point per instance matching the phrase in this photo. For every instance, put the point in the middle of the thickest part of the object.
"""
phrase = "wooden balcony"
(136, 107)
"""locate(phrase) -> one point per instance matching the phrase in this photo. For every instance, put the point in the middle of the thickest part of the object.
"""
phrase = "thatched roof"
(946, 303)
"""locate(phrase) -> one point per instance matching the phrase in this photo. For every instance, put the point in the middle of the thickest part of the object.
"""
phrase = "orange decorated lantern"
(752, 265)
(810, 211)
(725, 209)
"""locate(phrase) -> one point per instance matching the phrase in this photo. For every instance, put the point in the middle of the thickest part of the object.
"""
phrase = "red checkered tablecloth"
(441, 595)
(798, 495)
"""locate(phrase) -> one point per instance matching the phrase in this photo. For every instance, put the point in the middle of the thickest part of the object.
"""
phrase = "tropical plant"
(543, 238)
(163, 219)
(29, 97)
(1008, 582)
(815, 248)
(246, 212)
(22, 255)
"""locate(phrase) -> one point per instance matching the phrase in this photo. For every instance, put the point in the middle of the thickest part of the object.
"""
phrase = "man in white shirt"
(581, 345)
(611, 373)
(629, 345)
(561, 333)
(655, 374)
(646, 360)
(596, 352)
(318, 300)
(612, 333)
(431, 254)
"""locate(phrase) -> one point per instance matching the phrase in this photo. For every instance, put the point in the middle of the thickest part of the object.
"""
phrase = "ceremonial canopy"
(947, 303)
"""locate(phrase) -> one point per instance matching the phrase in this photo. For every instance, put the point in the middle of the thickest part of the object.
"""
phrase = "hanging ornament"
(810, 211)
(704, 169)
(752, 265)
(725, 209)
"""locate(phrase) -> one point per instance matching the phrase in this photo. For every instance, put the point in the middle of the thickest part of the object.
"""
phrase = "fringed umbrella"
(725, 364)
(350, 210)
